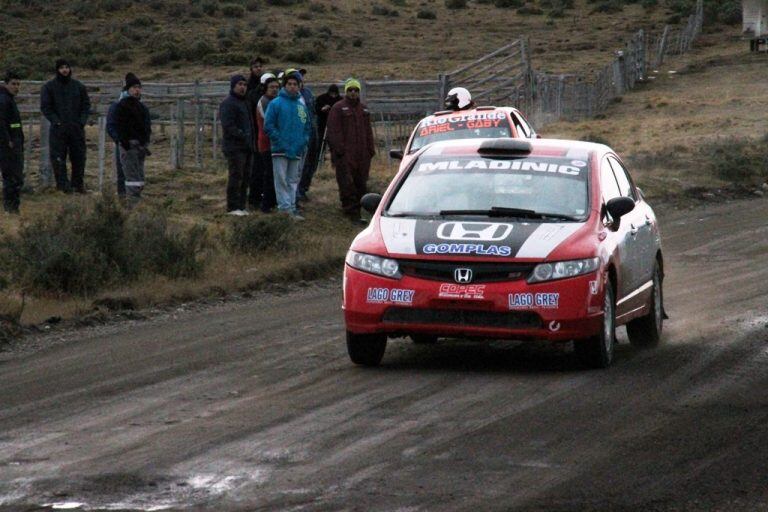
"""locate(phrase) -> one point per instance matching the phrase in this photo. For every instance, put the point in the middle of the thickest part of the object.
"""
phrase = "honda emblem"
(462, 275)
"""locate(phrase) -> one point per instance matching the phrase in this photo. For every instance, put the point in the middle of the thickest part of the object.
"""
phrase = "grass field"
(209, 39)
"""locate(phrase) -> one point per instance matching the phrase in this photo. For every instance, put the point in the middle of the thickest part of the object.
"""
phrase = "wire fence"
(185, 115)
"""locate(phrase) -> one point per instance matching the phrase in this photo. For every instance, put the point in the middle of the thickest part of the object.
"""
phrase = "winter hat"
(235, 79)
(333, 88)
(266, 76)
(61, 62)
(351, 83)
(130, 81)
(291, 73)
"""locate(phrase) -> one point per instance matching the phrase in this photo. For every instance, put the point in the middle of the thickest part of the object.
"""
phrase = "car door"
(609, 189)
(641, 226)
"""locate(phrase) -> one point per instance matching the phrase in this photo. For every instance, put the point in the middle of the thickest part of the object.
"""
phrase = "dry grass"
(665, 126)
(397, 47)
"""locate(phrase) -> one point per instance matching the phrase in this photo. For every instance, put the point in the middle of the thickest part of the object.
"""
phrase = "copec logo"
(473, 231)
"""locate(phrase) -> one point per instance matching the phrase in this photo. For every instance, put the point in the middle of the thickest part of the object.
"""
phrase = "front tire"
(366, 349)
(597, 351)
(645, 332)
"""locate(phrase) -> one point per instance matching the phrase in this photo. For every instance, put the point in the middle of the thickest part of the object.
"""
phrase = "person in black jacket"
(133, 133)
(11, 143)
(65, 103)
(238, 143)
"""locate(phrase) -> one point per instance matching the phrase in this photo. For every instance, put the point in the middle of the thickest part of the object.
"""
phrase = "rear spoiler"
(505, 147)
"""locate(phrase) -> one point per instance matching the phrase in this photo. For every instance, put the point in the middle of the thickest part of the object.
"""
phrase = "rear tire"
(645, 332)
(423, 339)
(597, 351)
(366, 349)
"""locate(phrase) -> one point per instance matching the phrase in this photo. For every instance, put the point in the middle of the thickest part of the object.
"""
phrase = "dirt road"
(255, 406)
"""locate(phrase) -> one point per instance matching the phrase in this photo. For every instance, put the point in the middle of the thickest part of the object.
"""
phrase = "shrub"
(738, 159)
(426, 14)
(304, 55)
(302, 32)
(210, 7)
(380, 10)
(456, 4)
(357, 42)
(233, 10)
(284, 3)
(596, 138)
(80, 250)
(258, 233)
(509, 4)
(198, 50)
(529, 10)
(729, 12)
(609, 7)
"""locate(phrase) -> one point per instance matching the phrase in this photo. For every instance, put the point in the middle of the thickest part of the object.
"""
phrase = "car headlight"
(374, 264)
(563, 269)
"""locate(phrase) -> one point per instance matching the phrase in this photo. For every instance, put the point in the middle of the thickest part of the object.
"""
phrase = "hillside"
(208, 39)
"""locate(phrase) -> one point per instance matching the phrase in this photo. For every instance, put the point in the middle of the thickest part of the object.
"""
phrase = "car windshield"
(480, 125)
(546, 188)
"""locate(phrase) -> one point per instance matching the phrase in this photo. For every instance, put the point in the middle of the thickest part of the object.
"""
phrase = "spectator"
(350, 137)
(309, 162)
(134, 130)
(238, 143)
(288, 126)
(271, 88)
(323, 106)
(253, 93)
(113, 134)
(65, 103)
(11, 143)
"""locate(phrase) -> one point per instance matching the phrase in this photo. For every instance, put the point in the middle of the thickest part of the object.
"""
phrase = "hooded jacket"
(10, 123)
(132, 122)
(288, 125)
(236, 124)
(111, 121)
(65, 101)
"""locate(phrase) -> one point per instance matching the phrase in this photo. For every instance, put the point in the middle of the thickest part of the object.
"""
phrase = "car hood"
(481, 239)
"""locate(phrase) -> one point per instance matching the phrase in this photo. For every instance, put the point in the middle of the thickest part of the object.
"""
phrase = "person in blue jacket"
(288, 126)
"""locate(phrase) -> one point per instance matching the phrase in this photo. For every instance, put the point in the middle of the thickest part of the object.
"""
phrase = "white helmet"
(267, 76)
(458, 98)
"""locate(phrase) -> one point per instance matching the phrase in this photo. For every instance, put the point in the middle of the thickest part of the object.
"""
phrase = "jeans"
(239, 163)
(287, 175)
(68, 140)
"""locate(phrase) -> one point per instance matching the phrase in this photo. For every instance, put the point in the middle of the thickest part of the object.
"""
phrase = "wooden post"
(28, 147)
(442, 90)
(173, 140)
(180, 134)
(198, 127)
(46, 173)
(662, 47)
(102, 150)
(215, 136)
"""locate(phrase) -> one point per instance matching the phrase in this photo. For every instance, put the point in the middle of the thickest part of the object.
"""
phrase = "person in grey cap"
(238, 145)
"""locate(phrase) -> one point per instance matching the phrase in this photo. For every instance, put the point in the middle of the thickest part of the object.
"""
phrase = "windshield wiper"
(500, 211)
(410, 214)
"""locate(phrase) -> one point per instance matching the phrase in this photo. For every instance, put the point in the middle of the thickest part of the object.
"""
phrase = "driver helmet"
(458, 98)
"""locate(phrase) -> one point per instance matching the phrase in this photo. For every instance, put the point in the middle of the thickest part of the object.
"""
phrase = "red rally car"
(506, 238)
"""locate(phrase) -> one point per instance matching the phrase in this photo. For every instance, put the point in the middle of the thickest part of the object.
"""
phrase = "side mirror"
(370, 202)
(397, 154)
(538, 136)
(619, 206)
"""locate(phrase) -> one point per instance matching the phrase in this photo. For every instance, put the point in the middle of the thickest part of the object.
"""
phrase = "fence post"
(442, 90)
(215, 136)
(662, 47)
(641, 61)
(28, 147)
(173, 140)
(102, 150)
(198, 127)
(46, 173)
(180, 134)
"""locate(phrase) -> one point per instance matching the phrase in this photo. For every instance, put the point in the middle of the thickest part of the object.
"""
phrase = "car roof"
(476, 110)
(539, 147)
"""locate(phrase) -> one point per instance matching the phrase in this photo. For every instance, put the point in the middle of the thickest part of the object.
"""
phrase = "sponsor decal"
(477, 249)
(394, 296)
(462, 291)
(554, 326)
(500, 165)
(473, 231)
(487, 119)
(579, 163)
(593, 287)
(533, 300)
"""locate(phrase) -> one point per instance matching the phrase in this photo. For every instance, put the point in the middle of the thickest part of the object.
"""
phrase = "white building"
(755, 17)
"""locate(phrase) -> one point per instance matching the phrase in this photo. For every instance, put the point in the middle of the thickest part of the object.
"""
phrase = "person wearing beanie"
(322, 107)
(288, 126)
(112, 132)
(133, 129)
(11, 143)
(64, 102)
(239, 143)
(350, 138)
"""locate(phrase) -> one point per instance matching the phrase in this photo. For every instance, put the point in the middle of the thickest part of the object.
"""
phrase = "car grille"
(506, 320)
(481, 272)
